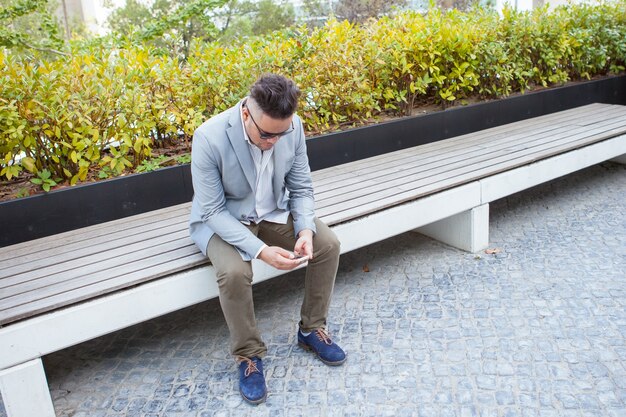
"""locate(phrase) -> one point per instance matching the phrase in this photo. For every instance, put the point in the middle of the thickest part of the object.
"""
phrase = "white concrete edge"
(38, 336)
(399, 219)
(73, 325)
(519, 179)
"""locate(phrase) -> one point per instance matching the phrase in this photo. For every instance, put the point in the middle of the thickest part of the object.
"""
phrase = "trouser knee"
(234, 279)
(328, 244)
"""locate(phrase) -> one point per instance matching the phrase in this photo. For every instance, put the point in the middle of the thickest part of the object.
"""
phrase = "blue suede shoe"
(251, 380)
(319, 342)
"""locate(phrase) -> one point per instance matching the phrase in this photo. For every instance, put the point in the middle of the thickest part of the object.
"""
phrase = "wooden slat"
(90, 232)
(409, 175)
(79, 249)
(74, 295)
(368, 203)
(442, 147)
(540, 122)
(370, 183)
(529, 157)
(490, 143)
(69, 269)
(360, 207)
(94, 271)
(494, 131)
(417, 156)
(159, 258)
(406, 165)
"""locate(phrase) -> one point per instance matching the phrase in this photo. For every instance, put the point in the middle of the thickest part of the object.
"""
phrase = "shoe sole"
(310, 349)
(253, 402)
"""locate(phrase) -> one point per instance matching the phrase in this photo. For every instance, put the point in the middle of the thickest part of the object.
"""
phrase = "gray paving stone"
(536, 330)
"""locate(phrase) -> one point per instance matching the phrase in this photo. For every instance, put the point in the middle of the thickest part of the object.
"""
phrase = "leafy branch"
(14, 33)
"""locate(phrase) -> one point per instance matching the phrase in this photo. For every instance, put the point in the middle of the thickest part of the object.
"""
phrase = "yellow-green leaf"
(29, 164)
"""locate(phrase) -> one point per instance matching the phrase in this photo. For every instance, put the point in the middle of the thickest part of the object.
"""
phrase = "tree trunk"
(66, 22)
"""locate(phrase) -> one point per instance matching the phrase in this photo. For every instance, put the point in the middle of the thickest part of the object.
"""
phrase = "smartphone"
(300, 258)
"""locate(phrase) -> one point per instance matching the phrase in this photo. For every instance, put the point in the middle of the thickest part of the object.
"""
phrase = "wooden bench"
(61, 290)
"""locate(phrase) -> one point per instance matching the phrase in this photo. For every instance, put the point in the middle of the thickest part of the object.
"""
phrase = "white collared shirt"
(265, 200)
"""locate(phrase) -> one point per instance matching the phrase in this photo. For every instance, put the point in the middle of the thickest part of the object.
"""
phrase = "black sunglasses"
(266, 135)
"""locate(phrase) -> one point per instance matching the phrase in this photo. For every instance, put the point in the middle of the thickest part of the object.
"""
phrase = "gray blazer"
(224, 175)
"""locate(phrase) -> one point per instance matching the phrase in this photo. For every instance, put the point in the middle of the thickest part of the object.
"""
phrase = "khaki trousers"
(234, 278)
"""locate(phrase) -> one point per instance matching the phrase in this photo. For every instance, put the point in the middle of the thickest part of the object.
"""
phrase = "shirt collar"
(243, 126)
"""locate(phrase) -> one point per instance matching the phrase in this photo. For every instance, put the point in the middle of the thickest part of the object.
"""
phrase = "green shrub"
(109, 108)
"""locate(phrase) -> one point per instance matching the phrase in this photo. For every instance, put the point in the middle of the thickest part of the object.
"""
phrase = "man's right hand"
(279, 258)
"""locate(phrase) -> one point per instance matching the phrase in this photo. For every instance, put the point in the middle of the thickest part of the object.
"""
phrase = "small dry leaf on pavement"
(493, 251)
(366, 268)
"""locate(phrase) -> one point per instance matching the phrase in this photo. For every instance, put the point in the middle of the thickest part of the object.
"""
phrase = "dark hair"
(276, 96)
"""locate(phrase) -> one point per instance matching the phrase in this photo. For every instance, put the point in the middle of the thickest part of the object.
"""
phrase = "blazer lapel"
(237, 140)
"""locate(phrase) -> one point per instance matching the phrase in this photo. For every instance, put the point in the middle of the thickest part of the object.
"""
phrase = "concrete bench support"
(25, 390)
(468, 230)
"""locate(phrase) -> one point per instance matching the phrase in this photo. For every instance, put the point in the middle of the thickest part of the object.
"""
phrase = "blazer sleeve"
(209, 193)
(300, 185)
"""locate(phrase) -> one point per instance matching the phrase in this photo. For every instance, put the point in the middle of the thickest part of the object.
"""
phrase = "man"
(253, 198)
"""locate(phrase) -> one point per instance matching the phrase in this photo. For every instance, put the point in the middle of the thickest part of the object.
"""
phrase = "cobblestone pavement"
(538, 329)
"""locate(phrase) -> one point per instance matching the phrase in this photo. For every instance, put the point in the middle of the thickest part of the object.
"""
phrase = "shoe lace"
(323, 336)
(251, 365)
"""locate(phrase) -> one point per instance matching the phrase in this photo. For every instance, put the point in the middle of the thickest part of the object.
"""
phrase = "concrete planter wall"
(62, 210)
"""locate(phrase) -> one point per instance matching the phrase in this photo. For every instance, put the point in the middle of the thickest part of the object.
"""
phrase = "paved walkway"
(538, 329)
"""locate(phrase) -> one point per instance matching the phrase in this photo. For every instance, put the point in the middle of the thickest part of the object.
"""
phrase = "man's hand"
(304, 244)
(279, 258)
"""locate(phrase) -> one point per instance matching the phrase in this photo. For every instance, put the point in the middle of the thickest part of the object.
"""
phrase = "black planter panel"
(337, 148)
(67, 209)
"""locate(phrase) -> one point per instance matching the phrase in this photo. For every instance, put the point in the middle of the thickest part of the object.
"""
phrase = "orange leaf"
(493, 251)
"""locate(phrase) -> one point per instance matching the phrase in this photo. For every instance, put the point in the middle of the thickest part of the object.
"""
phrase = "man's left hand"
(304, 244)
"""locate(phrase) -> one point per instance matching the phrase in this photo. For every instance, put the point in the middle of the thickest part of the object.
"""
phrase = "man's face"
(263, 130)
